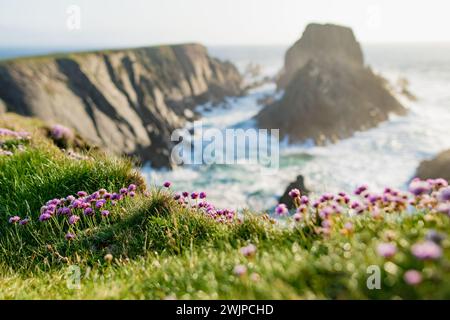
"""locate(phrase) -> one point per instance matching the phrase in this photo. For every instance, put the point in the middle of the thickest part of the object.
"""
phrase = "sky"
(122, 23)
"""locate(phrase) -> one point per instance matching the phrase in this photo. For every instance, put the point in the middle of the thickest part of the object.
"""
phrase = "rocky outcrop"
(299, 184)
(438, 167)
(328, 91)
(127, 101)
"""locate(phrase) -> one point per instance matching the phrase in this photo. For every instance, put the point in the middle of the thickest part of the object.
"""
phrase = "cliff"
(127, 101)
(328, 91)
(438, 167)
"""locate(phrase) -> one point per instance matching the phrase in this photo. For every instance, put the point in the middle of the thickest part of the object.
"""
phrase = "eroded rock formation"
(438, 167)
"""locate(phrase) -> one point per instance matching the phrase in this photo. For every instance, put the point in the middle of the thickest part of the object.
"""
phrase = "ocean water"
(387, 155)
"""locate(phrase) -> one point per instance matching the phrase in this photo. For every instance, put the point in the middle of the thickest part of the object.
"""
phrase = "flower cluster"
(60, 132)
(197, 201)
(17, 135)
(73, 208)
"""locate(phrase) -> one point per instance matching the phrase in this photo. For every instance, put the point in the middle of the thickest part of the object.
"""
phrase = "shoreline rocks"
(438, 167)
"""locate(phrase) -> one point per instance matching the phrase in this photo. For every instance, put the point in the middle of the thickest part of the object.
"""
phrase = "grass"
(151, 247)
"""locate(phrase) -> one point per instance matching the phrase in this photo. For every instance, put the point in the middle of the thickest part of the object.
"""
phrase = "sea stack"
(438, 167)
(329, 93)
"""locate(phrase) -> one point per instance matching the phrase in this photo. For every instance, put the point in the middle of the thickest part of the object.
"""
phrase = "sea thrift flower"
(132, 194)
(100, 203)
(185, 194)
(444, 194)
(240, 270)
(176, 196)
(297, 217)
(304, 200)
(248, 251)
(281, 209)
(105, 213)
(88, 211)
(132, 187)
(24, 221)
(194, 195)
(386, 250)
(167, 184)
(61, 132)
(427, 250)
(14, 219)
(361, 189)
(74, 219)
(294, 193)
(70, 236)
(202, 195)
(443, 208)
(81, 194)
(349, 227)
(45, 216)
(412, 277)
(123, 191)
(418, 187)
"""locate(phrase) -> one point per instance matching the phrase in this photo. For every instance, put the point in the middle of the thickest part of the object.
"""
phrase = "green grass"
(162, 250)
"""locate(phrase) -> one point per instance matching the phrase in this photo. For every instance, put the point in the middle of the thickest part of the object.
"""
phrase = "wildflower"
(202, 195)
(132, 187)
(108, 257)
(194, 195)
(107, 196)
(326, 212)
(176, 196)
(444, 194)
(24, 221)
(105, 213)
(88, 211)
(304, 200)
(74, 219)
(248, 251)
(443, 208)
(435, 236)
(59, 132)
(361, 189)
(418, 187)
(115, 196)
(412, 277)
(349, 226)
(386, 250)
(438, 183)
(167, 184)
(297, 217)
(132, 194)
(100, 203)
(81, 194)
(281, 209)
(294, 193)
(240, 270)
(70, 236)
(123, 191)
(427, 250)
(14, 219)
(45, 216)
(185, 194)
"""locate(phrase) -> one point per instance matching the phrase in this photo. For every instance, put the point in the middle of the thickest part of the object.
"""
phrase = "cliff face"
(127, 101)
(438, 167)
(328, 91)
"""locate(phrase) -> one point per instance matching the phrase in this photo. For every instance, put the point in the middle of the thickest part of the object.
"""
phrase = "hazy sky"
(214, 22)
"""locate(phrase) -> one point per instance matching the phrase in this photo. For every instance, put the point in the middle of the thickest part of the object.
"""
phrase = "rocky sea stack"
(329, 93)
(127, 101)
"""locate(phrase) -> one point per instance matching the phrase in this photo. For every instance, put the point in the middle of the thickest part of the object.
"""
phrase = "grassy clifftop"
(132, 241)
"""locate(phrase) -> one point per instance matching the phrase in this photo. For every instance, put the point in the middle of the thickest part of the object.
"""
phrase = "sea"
(387, 155)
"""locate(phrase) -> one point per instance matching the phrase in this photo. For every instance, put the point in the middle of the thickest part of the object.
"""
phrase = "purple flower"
(240, 270)
(45, 216)
(61, 132)
(443, 208)
(167, 184)
(185, 194)
(105, 213)
(294, 193)
(304, 200)
(444, 194)
(107, 196)
(115, 196)
(427, 250)
(412, 277)
(281, 209)
(132, 187)
(202, 195)
(70, 236)
(194, 195)
(132, 194)
(81, 194)
(361, 189)
(24, 221)
(100, 203)
(14, 219)
(88, 211)
(176, 196)
(418, 187)
(74, 219)
(123, 191)
(386, 250)
(248, 251)
(297, 217)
